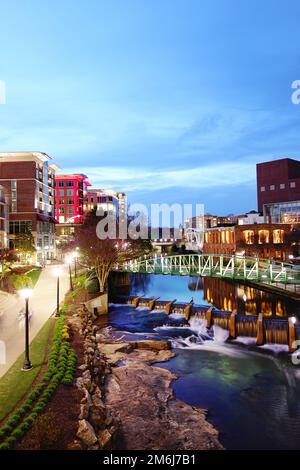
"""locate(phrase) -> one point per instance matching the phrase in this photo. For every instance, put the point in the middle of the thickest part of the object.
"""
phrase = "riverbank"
(128, 403)
(141, 395)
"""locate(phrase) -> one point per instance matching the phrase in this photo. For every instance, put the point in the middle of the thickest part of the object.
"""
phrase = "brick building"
(70, 194)
(278, 190)
(28, 182)
(3, 220)
(276, 241)
(111, 202)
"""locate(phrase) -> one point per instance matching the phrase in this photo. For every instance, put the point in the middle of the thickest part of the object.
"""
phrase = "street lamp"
(25, 294)
(57, 273)
(75, 256)
(69, 260)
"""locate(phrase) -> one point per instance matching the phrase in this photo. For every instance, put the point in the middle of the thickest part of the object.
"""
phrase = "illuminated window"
(248, 237)
(292, 184)
(262, 189)
(282, 186)
(263, 237)
(278, 236)
(272, 187)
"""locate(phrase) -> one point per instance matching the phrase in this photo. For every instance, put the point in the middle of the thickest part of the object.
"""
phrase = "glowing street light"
(293, 320)
(57, 272)
(26, 294)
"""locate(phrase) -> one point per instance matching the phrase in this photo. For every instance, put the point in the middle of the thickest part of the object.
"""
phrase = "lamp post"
(57, 273)
(25, 294)
(69, 260)
(76, 255)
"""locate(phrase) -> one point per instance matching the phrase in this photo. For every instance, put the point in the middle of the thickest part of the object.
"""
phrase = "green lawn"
(34, 275)
(15, 383)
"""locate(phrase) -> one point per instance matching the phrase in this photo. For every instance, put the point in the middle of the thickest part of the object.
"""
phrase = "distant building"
(70, 194)
(251, 217)
(107, 200)
(210, 221)
(272, 241)
(278, 190)
(28, 182)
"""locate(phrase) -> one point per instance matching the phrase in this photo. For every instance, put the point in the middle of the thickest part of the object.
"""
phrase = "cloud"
(141, 179)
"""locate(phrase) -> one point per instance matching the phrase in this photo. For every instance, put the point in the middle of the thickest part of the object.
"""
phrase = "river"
(251, 394)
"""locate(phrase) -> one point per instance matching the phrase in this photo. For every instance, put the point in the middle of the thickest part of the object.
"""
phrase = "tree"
(103, 254)
(24, 244)
(7, 258)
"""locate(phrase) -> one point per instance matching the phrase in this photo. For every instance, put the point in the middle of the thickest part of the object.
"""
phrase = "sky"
(171, 101)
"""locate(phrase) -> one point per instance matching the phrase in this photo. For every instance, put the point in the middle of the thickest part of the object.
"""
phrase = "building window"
(61, 201)
(278, 236)
(249, 237)
(262, 189)
(70, 183)
(70, 201)
(272, 187)
(61, 210)
(70, 211)
(263, 237)
(70, 192)
(20, 226)
(61, 192)
(13, 195)
(61, 184)
(292, 184)
(282, 186)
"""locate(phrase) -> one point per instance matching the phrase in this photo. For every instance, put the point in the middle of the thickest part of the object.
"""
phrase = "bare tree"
(103, 255)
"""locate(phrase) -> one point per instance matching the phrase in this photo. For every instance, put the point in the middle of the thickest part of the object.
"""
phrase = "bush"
(61, 369)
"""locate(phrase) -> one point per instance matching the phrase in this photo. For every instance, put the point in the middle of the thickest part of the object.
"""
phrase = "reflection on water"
(251, 397)
(222, 294)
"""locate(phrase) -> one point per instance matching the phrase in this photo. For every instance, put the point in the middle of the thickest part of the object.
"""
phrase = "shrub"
(4, 446)
(61, 369)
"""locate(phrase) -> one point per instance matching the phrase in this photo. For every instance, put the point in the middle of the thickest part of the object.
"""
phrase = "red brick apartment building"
(28, 182)
(70, 197)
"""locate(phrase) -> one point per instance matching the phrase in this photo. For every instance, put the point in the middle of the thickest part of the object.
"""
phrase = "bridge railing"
(227, 266)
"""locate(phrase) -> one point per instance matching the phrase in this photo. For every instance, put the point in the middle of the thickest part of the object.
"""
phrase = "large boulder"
(151, 344)
(86, 433)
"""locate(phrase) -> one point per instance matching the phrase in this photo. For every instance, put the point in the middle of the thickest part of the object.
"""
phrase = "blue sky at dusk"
(170, 101)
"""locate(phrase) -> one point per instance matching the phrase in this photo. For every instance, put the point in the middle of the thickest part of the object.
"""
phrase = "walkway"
(42, 304)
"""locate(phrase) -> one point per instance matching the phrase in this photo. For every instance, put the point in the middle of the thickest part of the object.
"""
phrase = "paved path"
(42, 304)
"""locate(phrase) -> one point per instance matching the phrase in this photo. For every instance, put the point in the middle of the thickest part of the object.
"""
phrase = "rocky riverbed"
(128, 402)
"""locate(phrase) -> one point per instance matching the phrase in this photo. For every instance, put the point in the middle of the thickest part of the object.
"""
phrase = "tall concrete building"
(278, 190)
(28, 182)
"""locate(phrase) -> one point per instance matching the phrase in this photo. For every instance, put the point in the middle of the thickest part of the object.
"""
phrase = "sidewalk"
(42, 304)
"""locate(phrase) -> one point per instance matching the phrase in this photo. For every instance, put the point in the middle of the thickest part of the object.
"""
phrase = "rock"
(104, 439)
(86, 433)
(84, 411)
(97, 412)
(151, 344)
(74, 446)
(113, 348)
(141, 396)
(83, 367)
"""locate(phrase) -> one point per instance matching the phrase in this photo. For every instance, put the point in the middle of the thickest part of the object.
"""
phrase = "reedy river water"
(252, 395)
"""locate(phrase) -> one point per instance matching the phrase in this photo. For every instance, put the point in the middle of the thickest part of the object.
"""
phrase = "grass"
(34, 275)
(16, 383)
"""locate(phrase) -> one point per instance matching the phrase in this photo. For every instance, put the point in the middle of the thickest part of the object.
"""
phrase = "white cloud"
(141, 179)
